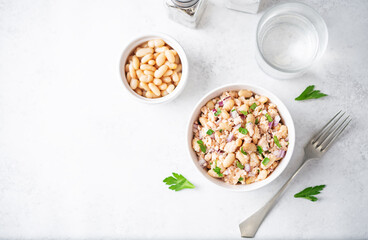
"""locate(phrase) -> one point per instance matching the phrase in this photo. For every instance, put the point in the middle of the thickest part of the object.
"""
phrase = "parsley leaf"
(178, 182)
(276, 140)
(242, 151)
(260, 150)
(217, 170)
(233, 110)
(265, 161)
(210, 132)
(202, 146)
(256, 122)
(310, 93)
(218, 112)
(269, 118)
(253, 106)
(220, 130)
(240, 179)
(309, 192)
(244, 113)
(243, 131)
(239, 165)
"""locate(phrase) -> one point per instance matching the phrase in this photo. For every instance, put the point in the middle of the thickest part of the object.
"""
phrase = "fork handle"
(249, 226)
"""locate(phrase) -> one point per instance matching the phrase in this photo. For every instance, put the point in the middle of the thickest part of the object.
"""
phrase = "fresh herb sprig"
(239, 165)
(217, 170)
(202, 146)
(276, 140)
(210, 132)
(309, 192)
(178, 182)
(218, 112)
(310, 93)
(243, 131)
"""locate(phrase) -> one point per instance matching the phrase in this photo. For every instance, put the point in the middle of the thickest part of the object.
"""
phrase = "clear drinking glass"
(290, 38)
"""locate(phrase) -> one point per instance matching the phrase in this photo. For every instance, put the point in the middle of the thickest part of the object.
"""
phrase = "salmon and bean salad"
(240, 137)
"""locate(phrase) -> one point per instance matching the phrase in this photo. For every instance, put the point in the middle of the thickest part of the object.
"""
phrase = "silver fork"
(315, 149)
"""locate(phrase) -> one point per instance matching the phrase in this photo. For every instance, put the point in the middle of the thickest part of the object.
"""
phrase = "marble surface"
(79, 159)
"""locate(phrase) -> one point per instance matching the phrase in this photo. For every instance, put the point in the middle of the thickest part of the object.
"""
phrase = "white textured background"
(79, 159)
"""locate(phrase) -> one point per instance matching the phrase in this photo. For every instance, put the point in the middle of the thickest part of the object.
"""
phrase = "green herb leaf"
(269, 118)
(202, 146)
(178, 182)
(240, 179)
(217, 170)
(309, 192)
(276, 140)
(210, 132)
(265, 161)
(220, 130)
(244, 113)
(256, 122)
(233, 110)
(242, 151)
(253, 106)
(260, 150)
(218, 112)
(239, 165)
(243, 131)
(310, 93)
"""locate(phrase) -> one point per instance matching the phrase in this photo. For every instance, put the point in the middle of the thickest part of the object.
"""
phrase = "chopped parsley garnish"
(202, 146)
(310, 93)
(260, 150)
(178, 182)
(253, 106)
(269, 118)
(309, 192)
(218, 112)
(220, 130)
(210, 132)
(233, 110)
(276, 141)
(256, 122)
(243, 131)
(240, 179)
(239, 165)
(244, 113)
(265, 161)
(242, 151)
(217, 170)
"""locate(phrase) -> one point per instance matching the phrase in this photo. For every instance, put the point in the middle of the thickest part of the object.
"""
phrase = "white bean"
(154, 89)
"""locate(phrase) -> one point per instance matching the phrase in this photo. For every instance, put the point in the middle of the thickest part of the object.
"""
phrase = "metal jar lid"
(184, 3)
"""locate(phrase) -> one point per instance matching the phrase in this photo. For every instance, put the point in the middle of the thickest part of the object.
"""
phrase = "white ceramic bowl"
(175, 45)
(285, 116)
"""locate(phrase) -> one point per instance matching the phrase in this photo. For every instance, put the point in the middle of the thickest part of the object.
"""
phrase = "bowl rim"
(285, 114)
(139, 39)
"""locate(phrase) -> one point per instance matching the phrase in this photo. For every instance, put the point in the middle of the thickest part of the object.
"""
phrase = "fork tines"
(331, 131)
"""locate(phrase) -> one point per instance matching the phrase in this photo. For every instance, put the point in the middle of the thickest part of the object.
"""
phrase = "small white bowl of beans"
(154, 68)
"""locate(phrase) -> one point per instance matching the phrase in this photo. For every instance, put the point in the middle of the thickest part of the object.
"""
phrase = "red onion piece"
(230, 137)
(202, 162)
(247, 167)
(221, 103)
(270, 125)
(195, 127)
(276, 120)
(214, 110)
(287, 139)
(280, 153)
